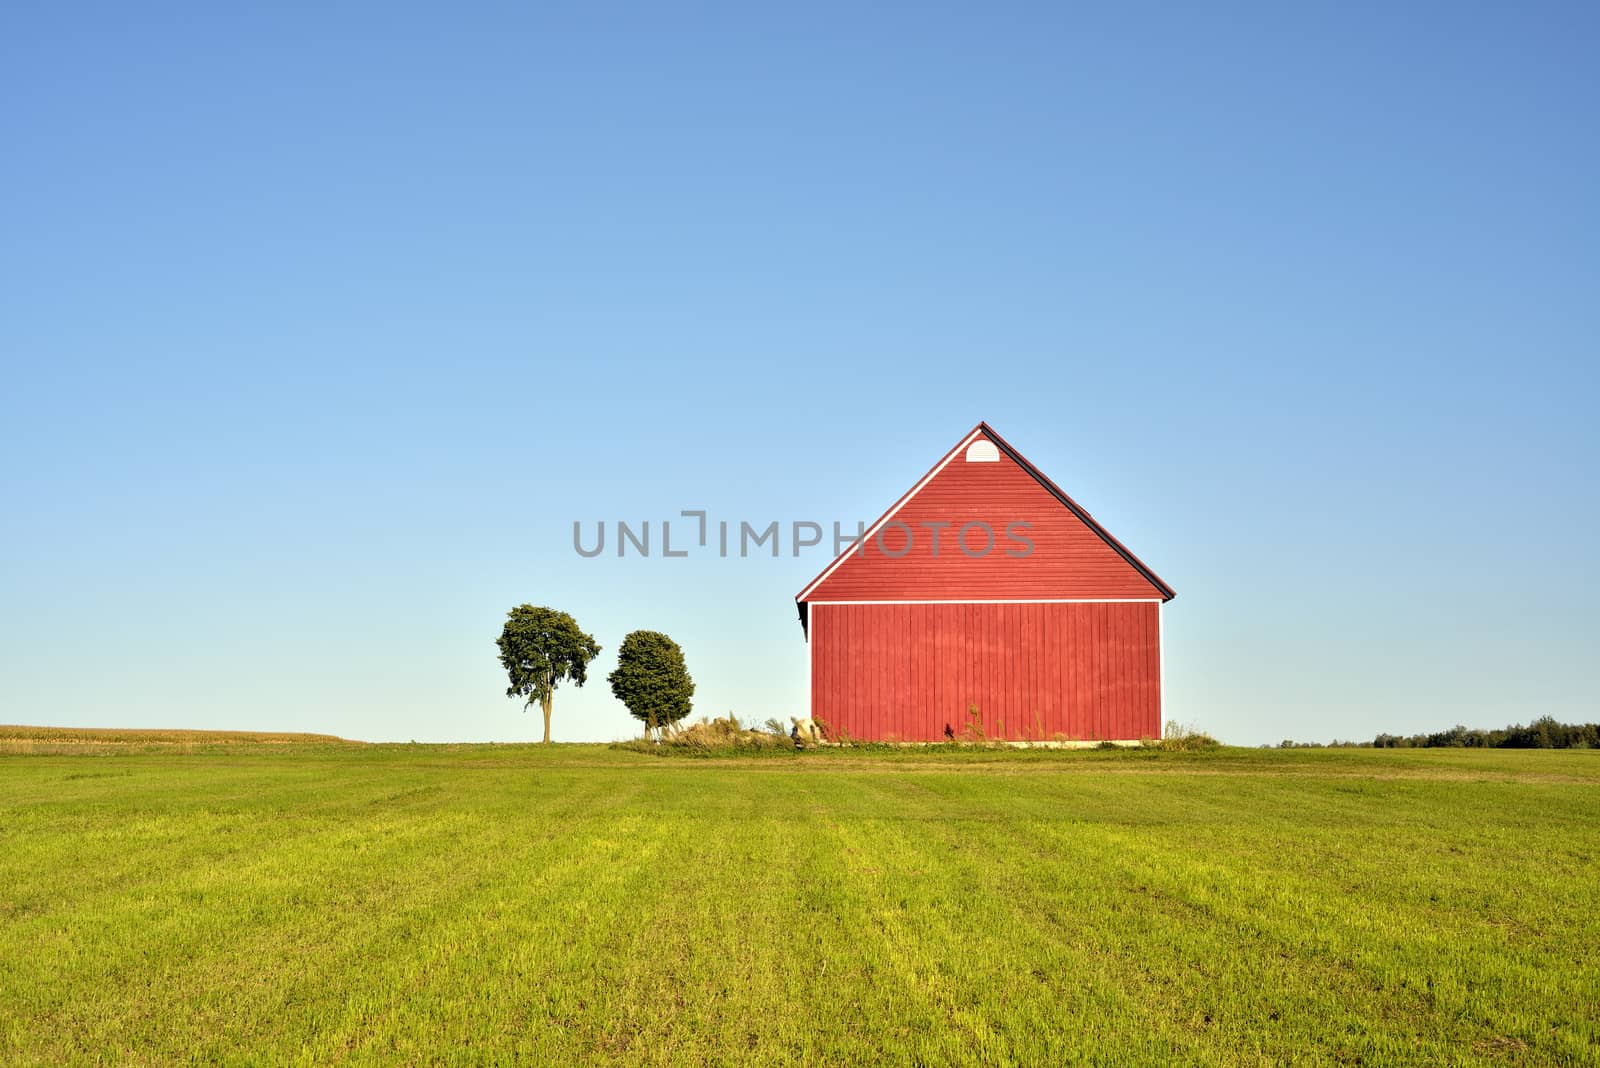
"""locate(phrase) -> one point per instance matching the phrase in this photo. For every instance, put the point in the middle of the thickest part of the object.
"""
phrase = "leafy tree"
(651, 679)
(541, 648)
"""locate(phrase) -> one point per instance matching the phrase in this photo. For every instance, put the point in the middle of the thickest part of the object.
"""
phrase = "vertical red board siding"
(1052, 677)
(905, 669)
(1091, 671)
(1100, 638)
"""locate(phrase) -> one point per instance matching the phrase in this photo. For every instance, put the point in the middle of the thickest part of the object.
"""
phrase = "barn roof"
(984, 430)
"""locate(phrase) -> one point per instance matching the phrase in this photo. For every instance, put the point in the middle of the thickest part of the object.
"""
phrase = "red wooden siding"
(1068, 560)
(1036, 672)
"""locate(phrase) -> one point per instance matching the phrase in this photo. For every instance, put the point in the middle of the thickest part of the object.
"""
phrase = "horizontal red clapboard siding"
(1068, 558)
(1035, 672)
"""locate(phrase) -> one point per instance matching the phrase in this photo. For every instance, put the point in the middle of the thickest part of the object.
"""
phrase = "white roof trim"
(977, 432)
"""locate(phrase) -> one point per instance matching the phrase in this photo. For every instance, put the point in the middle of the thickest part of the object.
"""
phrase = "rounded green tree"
(651, 679)
(540, 648)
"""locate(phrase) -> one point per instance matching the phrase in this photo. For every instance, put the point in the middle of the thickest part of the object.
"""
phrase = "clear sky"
(320, 324)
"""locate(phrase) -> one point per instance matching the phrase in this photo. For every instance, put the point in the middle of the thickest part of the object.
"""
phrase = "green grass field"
(268, 900)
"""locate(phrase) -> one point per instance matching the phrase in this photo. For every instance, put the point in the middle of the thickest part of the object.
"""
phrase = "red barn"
(986, 599)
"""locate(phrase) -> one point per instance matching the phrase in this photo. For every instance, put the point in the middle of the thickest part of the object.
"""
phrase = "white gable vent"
(982, 451)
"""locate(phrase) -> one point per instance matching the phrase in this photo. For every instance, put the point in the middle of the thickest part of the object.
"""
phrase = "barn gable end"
(1028, 621)
(1044, 545)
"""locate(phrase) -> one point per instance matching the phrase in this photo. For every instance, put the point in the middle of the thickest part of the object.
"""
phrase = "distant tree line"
(1543, 733)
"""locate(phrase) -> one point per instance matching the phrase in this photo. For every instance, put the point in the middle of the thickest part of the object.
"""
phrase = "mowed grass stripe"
(223, 943)
(321, 904)
(247, 943)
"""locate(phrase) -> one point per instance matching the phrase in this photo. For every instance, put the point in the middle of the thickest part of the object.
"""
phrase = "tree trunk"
(545, 705)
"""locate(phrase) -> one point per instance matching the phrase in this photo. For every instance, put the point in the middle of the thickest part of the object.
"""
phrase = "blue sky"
(319, 327)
